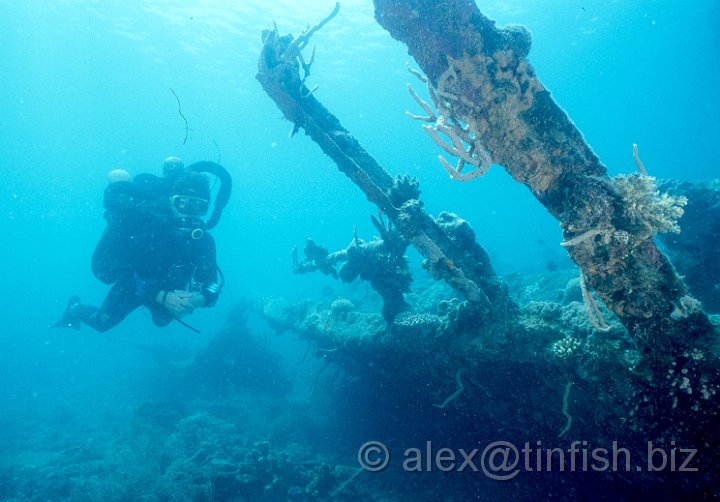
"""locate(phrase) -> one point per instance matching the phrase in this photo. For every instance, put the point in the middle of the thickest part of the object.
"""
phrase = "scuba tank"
(130, 205)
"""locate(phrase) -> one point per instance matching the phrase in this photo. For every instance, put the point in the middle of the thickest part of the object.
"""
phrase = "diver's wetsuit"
(143, 251)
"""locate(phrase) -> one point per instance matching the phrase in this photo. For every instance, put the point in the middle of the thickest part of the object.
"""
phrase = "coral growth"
(379, 261)
(461, 96)
(565, 347)
(646, 211)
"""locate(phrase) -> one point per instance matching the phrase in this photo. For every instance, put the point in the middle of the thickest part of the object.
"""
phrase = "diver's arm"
(180, 302)
(207, 273)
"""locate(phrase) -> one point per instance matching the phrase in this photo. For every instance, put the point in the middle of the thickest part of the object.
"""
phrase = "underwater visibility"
(377, 250)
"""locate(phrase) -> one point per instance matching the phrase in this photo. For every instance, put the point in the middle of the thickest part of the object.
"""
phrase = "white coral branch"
(463, 144)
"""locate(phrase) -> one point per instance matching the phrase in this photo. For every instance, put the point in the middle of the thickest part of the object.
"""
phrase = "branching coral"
(646, 210)
(462, 98)
(465, 145)
(641, 212)
(565, 347)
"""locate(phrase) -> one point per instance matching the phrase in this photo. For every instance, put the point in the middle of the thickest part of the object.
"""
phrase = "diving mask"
(187, 205)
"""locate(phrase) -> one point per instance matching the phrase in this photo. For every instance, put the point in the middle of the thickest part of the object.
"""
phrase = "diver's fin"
(69, 319)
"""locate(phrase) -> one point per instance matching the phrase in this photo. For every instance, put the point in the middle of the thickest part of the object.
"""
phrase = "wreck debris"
(379, 261)
(279, 73)
(484, 73)
(692, 251)
(483, 82)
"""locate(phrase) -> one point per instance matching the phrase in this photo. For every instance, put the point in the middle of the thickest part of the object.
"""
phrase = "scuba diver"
(156, 250)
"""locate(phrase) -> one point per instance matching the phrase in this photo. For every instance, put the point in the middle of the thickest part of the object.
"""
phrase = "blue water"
(87, 86)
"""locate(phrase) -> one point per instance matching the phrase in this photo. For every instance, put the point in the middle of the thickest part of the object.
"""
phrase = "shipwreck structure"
(489, 96)
(468, 270)
(489, 107)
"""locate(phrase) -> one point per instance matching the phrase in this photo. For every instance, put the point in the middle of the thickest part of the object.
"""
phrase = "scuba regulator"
(192, 227)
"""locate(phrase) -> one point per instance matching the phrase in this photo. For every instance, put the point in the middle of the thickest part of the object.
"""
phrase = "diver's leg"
(69, 319)
(120, 301)
(110, 260)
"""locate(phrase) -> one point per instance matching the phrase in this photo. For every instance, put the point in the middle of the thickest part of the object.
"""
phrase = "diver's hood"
(223, 195)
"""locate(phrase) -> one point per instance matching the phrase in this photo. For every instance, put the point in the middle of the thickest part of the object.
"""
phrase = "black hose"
(188, 326)
(223, 195)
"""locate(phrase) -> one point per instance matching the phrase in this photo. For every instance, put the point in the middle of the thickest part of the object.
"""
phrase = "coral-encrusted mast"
(279, 75)
(464, 266)
(488, 92)
(490, 97)
(493, 109)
